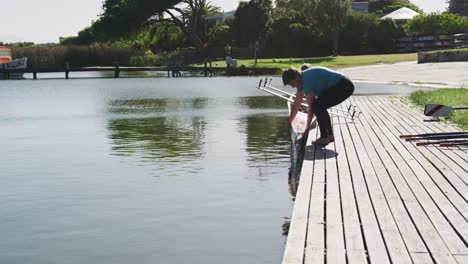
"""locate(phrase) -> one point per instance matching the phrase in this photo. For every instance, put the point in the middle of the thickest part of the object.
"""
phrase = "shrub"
(436, 24)
(365, 33)
(78, 56)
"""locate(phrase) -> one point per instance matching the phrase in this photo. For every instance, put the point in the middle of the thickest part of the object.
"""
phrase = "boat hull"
(18, 64)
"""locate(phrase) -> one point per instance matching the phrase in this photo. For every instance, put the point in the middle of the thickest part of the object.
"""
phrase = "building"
(401, 16)
(361, 7)
(218, 18)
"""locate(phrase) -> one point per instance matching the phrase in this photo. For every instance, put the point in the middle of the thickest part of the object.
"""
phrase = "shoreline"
(433, 75)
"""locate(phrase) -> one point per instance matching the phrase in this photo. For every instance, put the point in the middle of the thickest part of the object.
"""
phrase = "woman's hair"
(305, 66)
(289, 75)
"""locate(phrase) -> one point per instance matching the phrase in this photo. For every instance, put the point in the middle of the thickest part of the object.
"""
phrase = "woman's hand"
(296, 106)
(310, 113)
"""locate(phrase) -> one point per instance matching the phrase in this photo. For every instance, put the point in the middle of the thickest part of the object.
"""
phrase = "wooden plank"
(452, 204)
(404, 110)
(395, 245)
(447, 155)
(355, 249)
(451, 170)
(334, 225)
(408, 187)
(377, 250)
(385, 170)
(418, 117)
(461, 259)
(429, 220)
(315, 247)
(296, 241)
(421, 258)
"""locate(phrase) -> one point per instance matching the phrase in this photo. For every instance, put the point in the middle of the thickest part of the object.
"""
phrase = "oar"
(441, 142)
(434, 134)
(439, 137)
(438, 110)
(290, 96)
(304, 100)
(291, 100)
(454, 144)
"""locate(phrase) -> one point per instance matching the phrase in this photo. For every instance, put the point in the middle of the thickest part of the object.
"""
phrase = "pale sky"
(43, 21)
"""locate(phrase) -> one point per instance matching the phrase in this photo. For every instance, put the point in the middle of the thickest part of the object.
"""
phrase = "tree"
(252, 20)
(123, 16)
(381, 7)
(393, 7)
(329, 16)
(436, 24)
(458, 7)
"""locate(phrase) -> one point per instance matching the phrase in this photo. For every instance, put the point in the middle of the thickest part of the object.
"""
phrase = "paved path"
(447, 74)
(373, 198)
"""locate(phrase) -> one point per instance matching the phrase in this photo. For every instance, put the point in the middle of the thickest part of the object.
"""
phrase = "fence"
(436, 42)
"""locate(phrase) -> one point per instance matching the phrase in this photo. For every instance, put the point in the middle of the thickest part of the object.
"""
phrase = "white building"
(216, 19)
(401, 16)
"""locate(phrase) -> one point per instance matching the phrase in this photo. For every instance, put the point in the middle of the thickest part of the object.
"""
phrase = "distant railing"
(434, 42)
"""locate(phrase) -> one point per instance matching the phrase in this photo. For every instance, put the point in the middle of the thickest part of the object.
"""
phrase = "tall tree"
(123, 16)
(329, 16)
(252, 20)
(458, 7)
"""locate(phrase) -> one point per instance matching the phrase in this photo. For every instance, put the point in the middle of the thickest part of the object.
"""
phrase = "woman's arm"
(310, 113)
(296, 106)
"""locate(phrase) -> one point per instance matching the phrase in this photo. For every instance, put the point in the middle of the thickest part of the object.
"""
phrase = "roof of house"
(403, 13)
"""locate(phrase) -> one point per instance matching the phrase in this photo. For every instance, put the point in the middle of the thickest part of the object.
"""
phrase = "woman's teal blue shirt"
(319, 79)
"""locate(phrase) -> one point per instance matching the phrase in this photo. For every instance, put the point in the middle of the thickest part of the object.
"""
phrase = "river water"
(148, 170)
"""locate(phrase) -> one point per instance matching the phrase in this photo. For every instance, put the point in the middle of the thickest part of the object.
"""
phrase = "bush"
(393, 7)
(365, 33)
(219, 35)
(354, 37)
(149, 59)
(386, 6)
(385, 35)
(291, 36)
(40, 57)
(436, 24)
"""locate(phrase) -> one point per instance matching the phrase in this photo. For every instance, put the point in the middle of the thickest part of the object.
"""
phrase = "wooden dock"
(373, 198)
(171, 71)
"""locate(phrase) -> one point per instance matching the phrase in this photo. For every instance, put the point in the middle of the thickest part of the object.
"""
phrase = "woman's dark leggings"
(334, 95)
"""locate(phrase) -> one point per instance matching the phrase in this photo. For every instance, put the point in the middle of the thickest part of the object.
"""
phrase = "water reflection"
(172, 138)
(149, 106)
(262, 102)
(267, 138)
(159, 137)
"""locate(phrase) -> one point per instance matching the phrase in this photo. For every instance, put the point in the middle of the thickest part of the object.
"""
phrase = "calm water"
(152, 170)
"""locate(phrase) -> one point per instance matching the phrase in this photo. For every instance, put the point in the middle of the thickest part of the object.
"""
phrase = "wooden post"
(211, 67)
(6, 73)
(67, 69)
(35, 75)
(206, 69)
(117, 70)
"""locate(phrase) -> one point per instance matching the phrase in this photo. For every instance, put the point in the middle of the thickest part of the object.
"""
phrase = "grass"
(448, 51)
(450, 97)
(330, 61)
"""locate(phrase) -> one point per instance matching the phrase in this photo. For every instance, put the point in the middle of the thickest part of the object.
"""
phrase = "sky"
(44, 21)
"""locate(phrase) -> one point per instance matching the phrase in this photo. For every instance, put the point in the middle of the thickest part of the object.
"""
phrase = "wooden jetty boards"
(435, 185)
(294, 251)
(372, 197)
